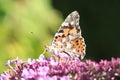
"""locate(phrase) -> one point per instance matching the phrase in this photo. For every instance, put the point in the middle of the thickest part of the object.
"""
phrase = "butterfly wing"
(69, 27)
(68, 39)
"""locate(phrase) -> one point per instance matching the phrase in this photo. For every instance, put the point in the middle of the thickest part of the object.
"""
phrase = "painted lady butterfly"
(68, 39)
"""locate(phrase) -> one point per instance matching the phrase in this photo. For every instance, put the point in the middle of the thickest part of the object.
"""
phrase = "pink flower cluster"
(59, 68)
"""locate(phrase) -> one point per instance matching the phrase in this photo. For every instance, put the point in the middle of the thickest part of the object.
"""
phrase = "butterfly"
(68, 39)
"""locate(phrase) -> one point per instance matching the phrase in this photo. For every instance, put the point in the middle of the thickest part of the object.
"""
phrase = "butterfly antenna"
(44, 51)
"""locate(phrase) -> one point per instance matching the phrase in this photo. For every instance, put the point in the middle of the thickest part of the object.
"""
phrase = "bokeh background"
(26, 26)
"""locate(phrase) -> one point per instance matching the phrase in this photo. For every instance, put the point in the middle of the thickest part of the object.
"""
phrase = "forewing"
(68, 38)
(69, 27)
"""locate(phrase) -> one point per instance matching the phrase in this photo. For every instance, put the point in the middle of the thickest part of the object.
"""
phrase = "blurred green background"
(26, 26)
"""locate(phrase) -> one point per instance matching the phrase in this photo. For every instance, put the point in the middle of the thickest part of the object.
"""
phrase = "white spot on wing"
(64, 24)
(72, 23)
(58, 34)
(69, 46)
(64, 40)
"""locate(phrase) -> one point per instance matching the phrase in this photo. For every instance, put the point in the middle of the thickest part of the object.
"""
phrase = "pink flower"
(62, 68)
